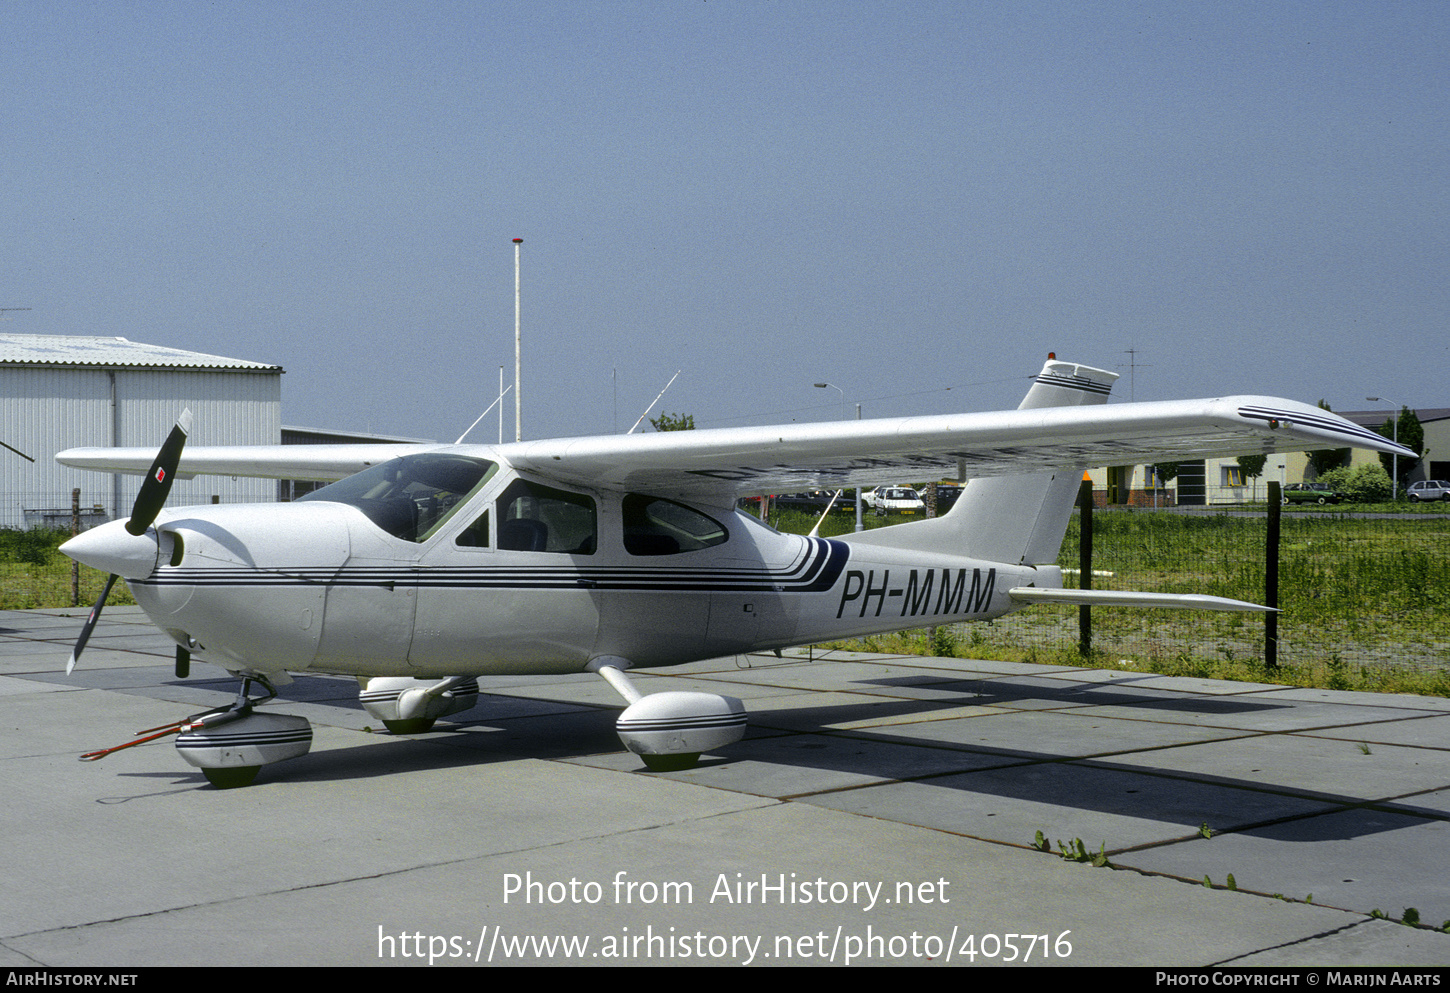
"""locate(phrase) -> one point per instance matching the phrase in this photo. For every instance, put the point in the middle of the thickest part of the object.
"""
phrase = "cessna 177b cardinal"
(421, 567)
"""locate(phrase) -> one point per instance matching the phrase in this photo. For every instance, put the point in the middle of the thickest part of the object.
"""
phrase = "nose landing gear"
(231, 745)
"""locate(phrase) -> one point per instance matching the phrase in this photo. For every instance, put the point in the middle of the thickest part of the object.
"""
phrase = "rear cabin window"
(655, 526)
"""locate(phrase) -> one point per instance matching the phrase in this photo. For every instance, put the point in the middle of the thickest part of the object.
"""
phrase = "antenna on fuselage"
(656, 400)
(497, 400)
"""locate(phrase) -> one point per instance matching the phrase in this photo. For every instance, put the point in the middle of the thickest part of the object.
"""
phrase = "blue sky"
(913, 201)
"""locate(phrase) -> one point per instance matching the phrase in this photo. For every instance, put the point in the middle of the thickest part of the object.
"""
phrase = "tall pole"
(859, 526)
(518, 349)
(822, 386)
(1395, 437)
(1085, 567)
(833, 386)
(1271, 578)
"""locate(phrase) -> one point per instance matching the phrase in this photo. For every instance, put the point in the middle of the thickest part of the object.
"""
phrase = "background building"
(1221, 481)
(63, 391)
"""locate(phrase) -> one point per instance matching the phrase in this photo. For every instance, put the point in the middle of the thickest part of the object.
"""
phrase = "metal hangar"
(68, 391)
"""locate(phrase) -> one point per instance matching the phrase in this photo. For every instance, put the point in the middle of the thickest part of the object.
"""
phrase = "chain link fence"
(1353, 590)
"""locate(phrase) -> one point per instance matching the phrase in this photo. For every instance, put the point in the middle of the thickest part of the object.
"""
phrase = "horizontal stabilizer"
(1129, 598)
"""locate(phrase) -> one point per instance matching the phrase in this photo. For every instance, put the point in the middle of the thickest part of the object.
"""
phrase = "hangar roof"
(52, 350)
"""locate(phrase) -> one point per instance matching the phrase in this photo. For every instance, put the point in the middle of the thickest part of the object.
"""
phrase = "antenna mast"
(1133, 366)
(518, 349)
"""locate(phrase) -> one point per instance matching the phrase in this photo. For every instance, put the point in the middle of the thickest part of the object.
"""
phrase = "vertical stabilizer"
(1016, 519)
(1022, 519)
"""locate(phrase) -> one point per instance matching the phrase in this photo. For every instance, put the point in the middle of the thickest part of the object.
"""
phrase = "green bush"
(34, 546)
(1362, 484)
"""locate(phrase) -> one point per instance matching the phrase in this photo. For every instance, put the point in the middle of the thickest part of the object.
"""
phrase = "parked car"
(893, 500)
(1430, 489)
(814, 502)
(946, 496)
(1310, 493)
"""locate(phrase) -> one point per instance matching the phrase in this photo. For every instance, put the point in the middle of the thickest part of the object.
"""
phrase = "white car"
(1430, 489)
(894, 500)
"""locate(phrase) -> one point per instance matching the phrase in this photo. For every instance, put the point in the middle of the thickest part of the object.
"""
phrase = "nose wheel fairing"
(230, 754)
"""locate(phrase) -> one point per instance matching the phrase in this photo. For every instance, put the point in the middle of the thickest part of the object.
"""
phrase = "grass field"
(33, 574)
(1365, 601)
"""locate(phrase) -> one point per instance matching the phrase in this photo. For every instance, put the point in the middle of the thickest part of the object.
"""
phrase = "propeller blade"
(90, 624)
(183, 662)
(159, 478)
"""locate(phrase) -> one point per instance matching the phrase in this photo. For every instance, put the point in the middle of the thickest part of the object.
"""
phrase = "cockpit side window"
(475, 535)
(655, 526)
(410, 497)
(537, 518)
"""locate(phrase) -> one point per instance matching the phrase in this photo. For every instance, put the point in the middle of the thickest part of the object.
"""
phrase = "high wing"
(746, 461)
(321, 463)
(721, 464)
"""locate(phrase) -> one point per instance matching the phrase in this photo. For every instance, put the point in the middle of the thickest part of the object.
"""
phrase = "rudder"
(1021, 519)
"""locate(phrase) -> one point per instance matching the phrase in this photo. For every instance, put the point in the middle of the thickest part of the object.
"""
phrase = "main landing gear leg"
(410, 706)
(668, 731)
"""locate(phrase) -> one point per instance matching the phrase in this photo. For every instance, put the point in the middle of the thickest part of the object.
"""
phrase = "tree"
(1410, 434)
(1329, 458)
(1159, 476)
(673, 422)
(1253, 465)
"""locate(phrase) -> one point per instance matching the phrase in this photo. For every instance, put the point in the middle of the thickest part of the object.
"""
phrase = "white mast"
(518, 347)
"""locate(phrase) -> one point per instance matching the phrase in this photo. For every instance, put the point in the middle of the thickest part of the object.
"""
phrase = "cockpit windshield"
(411, 496)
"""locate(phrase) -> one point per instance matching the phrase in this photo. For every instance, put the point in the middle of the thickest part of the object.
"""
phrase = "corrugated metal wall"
(46, 410)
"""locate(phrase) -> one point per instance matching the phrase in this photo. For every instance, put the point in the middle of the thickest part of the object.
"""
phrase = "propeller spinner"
(132, 557)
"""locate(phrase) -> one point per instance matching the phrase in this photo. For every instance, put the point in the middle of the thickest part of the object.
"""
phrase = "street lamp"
(822, 386)
(1395, 458)
(833, 386)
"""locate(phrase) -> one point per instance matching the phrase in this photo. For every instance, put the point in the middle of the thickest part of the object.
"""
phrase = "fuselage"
(520, 575)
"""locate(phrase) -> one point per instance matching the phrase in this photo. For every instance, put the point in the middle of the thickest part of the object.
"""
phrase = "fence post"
(1271, 579)
(1085, 567)
(75, 529)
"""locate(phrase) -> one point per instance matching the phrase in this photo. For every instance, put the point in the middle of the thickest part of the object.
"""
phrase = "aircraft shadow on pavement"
(879, 752)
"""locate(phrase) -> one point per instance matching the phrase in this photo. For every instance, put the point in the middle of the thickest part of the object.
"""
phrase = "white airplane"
(422, 567)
